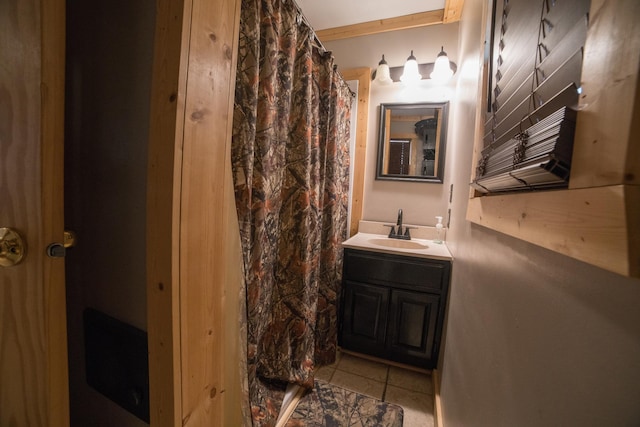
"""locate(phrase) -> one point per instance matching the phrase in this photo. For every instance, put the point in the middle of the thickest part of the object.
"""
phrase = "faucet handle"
(406, 231)
(392, 231)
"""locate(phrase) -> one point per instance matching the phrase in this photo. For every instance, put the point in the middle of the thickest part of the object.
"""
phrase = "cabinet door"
(412, 327)
(364, 321)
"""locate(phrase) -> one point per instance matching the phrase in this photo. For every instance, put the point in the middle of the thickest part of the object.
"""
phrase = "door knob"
(12, 247)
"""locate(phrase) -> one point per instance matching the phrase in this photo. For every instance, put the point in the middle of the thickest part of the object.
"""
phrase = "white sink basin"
(400, 244)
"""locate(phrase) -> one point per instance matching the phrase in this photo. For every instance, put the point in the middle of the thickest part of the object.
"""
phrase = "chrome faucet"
(401, 232)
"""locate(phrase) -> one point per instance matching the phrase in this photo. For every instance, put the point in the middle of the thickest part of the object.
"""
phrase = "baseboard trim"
(289, 405)
(437, 403)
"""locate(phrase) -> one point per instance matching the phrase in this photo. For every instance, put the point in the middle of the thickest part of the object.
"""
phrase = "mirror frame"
(438, 178)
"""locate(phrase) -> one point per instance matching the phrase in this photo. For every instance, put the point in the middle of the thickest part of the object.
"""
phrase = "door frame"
(53, 89)
(194, 260)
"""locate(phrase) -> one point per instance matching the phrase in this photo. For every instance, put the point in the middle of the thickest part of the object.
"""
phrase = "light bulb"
(441, 69)
(383, 75)
(410, 73)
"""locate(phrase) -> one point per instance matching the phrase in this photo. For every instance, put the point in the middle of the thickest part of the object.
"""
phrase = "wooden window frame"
(597, 219)
(363, 76)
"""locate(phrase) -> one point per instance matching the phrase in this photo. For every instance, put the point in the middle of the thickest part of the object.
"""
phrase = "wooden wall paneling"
(233, 301)
(606, 149)
(363, 76)
(163, 212)
(206, 299)
(194, 250)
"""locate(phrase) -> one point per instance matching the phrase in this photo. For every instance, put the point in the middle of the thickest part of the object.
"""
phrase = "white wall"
(534, 338)
(420, 202)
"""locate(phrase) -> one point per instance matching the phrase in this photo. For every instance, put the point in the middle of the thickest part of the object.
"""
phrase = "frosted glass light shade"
(441, 69)
(383, 75)
(411, 73)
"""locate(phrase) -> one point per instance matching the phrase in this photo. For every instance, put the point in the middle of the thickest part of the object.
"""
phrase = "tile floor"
(411, 390)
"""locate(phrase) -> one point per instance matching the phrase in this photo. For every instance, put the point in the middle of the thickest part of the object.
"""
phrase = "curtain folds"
(290, 163)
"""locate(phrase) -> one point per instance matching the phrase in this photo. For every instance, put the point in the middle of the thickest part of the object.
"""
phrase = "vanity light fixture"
(439, 71)
(382, 72)
(442, 69)
(411, 73)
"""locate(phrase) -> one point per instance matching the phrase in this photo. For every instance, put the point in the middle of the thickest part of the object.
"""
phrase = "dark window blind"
(536, 62)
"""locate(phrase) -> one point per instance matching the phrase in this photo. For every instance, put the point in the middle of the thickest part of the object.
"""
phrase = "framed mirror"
(412, 142)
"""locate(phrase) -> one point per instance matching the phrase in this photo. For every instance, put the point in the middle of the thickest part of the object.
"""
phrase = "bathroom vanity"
(394, 298)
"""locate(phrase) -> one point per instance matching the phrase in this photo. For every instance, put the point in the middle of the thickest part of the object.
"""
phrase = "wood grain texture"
(163, 209)
(206, 261)
(52, 143)
(194, 259)
(452, 11)
(363, 76)
(606, 149)
(33, 362)
(597, 220)
(23, 358)
(414, 20)
(632, 203)
(589, 224)
(437, 401)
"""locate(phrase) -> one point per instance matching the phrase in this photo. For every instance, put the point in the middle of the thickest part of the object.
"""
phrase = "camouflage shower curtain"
(290, 164)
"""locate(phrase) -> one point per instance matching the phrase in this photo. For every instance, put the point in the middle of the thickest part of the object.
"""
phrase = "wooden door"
(33, 345)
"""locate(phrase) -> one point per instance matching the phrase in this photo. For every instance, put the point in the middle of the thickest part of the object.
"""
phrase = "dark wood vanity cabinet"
(393, 307)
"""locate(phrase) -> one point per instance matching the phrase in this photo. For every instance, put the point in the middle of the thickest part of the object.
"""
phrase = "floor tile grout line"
(386, 384)
(362, 375)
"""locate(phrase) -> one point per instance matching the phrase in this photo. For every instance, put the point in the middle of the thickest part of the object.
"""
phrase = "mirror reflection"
(412, 141)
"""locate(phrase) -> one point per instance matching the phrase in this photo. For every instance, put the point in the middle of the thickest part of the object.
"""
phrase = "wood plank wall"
(163, 185)
(194, 258)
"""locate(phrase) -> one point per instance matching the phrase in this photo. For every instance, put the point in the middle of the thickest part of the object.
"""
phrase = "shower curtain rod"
(316, 40)
(306, 21)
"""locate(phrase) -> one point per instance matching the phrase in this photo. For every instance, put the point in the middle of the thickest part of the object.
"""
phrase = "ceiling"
(323, 14)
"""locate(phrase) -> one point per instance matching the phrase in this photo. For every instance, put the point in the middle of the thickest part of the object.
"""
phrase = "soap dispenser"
(439, 230)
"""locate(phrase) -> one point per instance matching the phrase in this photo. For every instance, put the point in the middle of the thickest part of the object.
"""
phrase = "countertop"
(375, 242)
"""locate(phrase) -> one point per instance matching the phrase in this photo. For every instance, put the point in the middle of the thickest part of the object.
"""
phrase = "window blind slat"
(554, 83)
(555, 58)
(530, 74)
(508, 129)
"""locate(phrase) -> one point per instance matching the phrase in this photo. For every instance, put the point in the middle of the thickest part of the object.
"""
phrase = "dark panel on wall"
(117, 362)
